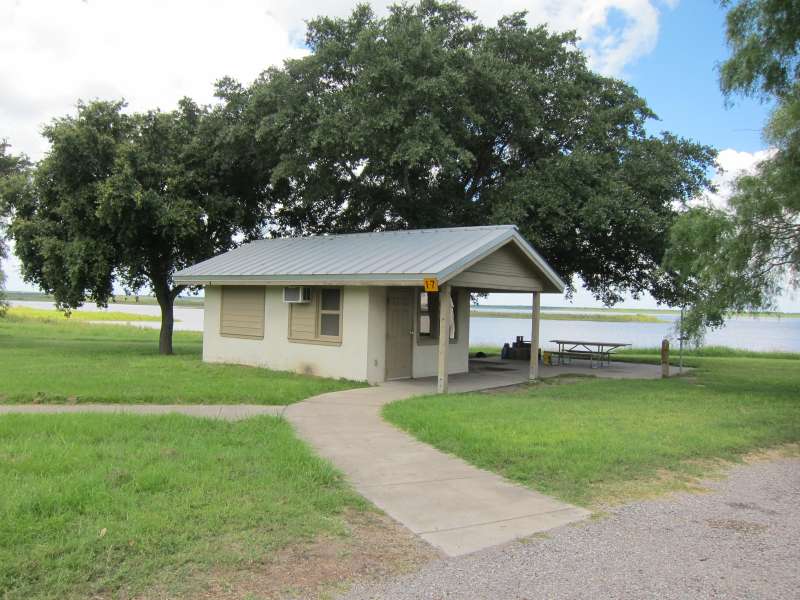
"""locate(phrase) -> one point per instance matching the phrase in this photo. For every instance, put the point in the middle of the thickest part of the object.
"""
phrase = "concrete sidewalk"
(454, 506)
(451, 504)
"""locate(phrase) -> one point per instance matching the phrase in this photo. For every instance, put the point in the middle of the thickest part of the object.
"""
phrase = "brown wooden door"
(399, 332)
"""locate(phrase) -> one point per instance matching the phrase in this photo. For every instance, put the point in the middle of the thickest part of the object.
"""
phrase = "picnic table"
(599, 352)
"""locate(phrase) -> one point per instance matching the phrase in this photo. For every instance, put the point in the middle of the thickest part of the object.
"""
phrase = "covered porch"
(516, 371)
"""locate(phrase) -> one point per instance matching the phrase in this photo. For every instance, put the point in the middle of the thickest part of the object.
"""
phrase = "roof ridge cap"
(509, 226)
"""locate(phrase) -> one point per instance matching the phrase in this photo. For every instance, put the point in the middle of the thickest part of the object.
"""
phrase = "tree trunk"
(166, 301)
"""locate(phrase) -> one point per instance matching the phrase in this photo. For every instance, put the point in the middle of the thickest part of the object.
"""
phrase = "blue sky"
(679, 81)
(57, 51)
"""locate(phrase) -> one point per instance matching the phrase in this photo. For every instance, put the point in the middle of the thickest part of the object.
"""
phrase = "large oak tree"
(14, 174)
(131, 198)
(427, 118)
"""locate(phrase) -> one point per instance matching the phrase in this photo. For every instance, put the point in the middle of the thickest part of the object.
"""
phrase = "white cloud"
(614, 33)
(730, 165)
(152, 52)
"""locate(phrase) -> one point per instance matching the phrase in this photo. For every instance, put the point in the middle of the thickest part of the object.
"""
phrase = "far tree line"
(422, 118)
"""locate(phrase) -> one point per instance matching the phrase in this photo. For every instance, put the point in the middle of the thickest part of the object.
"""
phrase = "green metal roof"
(402, 257)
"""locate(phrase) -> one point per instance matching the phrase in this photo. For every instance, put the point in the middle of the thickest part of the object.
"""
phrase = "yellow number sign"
(431, 285)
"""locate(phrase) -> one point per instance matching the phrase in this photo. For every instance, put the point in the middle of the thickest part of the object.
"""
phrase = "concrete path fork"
(451, 504)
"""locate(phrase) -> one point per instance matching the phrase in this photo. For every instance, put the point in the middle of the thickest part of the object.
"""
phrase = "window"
(330, 313)
(428, 312)
(318, 321)
(242, 312)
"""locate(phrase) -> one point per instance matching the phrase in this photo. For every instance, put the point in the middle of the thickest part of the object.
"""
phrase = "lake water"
(747, 333)
(764, 333)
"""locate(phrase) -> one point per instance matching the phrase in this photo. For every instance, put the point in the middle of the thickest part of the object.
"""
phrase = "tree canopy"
(426, 118)
(740, 257)
(422, 118)
(131, 198)
(762, 36)
(14, 171)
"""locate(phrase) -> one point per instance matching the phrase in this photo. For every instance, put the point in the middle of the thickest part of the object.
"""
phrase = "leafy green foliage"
(130, 198)
(763, 37)
(14, 171)
(426, 118)
(603, 440)
(741, 257)
(3, 300)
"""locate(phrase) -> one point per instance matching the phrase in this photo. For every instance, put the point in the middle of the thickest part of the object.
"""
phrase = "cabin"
(366, 306)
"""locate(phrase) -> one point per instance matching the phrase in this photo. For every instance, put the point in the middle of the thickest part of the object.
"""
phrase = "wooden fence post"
(665, 358)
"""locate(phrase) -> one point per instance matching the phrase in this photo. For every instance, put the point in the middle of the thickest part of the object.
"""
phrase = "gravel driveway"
(740, 541)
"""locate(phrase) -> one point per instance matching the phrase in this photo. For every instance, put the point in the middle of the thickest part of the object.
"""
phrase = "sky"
(153, 52)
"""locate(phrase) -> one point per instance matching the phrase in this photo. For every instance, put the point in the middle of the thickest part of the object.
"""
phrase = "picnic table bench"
(599, 352)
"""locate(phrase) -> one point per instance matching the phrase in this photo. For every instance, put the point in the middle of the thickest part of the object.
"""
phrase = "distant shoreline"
(190, 302)
(502, 311)
(549, 316)
(505, 308)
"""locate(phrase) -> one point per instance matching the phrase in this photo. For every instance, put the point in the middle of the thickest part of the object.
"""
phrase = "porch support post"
(444, 337)
(537, 311)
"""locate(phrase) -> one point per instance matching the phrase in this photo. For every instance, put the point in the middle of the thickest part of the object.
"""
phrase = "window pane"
(330, 299)
(329, 325)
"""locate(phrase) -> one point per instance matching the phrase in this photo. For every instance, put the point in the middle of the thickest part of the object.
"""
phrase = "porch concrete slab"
(494, 370)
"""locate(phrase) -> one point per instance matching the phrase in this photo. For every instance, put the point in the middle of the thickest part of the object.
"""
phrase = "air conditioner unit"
(297, 295)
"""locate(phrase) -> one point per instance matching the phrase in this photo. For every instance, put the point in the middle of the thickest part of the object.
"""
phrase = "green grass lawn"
(487, 350)
(653, 354)
(77, 315)
(114, 505)
(604, 440)
(58, 361)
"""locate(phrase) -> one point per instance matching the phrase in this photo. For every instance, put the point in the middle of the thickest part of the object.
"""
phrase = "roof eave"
(375, 279)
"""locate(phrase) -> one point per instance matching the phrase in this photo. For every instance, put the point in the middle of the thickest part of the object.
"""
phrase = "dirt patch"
(376, 547)
(522, 388)
(736, 525)
(664, 482)
(692, 480)
(770, 454)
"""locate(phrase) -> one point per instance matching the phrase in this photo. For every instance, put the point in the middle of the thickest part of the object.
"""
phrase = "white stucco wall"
(275, 351)
(361, 355)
